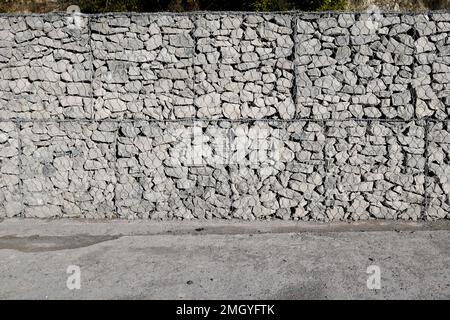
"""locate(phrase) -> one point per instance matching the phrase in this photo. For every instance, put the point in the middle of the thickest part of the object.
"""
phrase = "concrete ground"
(223, 260)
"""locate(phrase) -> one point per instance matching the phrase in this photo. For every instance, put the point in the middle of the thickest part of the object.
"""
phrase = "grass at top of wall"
(101, 6)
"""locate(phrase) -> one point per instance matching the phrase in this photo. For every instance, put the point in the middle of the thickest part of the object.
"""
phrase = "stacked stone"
(432, 80)
(355, 66)
(243, 66)
(143, 67)
(68, 169)
(438, 181)
(389, 66)
(376, 170)
(226, 170)
(10, 196)
(329, 128)
(45, 67)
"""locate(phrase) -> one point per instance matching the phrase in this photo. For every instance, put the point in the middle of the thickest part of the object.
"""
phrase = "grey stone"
(400, 99)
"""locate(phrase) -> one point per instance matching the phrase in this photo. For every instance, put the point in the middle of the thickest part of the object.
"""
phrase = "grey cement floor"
(223, 260)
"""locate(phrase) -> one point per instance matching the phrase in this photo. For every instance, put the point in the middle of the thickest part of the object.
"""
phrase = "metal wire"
(370, 162)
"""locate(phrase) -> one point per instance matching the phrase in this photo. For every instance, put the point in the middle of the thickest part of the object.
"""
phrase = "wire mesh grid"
(323, 116)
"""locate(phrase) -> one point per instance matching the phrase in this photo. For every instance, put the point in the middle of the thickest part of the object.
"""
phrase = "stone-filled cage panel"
(204, 169)
(375, 169)
(244, 66)
(68, 169)
(45, 67)
(143, 66)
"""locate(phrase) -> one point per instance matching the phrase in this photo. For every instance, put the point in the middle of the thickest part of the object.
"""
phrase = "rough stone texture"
(10, 198)
(376, 170)
(68, 169)
(438, 182)
(231, 66)
(301, 170)
(243, 66)
(200, 170)
(355, 66)
(143, 67)
(432, 73)
(45, 67)
(100, 116)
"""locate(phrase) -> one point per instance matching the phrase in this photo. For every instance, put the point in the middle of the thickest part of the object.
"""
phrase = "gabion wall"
(311, 116)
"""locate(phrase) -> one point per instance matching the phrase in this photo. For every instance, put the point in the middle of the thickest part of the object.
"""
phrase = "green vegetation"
(189, 5)
(306, 5)
(98, 6)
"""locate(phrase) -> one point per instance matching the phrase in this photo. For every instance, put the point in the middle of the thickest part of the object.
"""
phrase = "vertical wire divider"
(73, 152)
(326, 191)
(411, 89)
(284, 133)
(294, 22)
(425, 206)
(425, 203)
(115, 168)
(190, 148)
(325, 166)
(193, 59)
(91, 56)
(18, 125)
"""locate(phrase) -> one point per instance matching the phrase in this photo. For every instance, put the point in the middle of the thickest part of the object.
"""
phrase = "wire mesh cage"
(45, 67)
(305, 116)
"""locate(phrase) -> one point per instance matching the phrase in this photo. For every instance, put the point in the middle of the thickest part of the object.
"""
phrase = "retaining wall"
(320, 116)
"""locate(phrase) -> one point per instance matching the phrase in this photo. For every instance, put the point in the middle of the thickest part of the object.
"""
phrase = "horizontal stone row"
(225, 66)
(45, 67)
(326, 170)
(391, 66)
